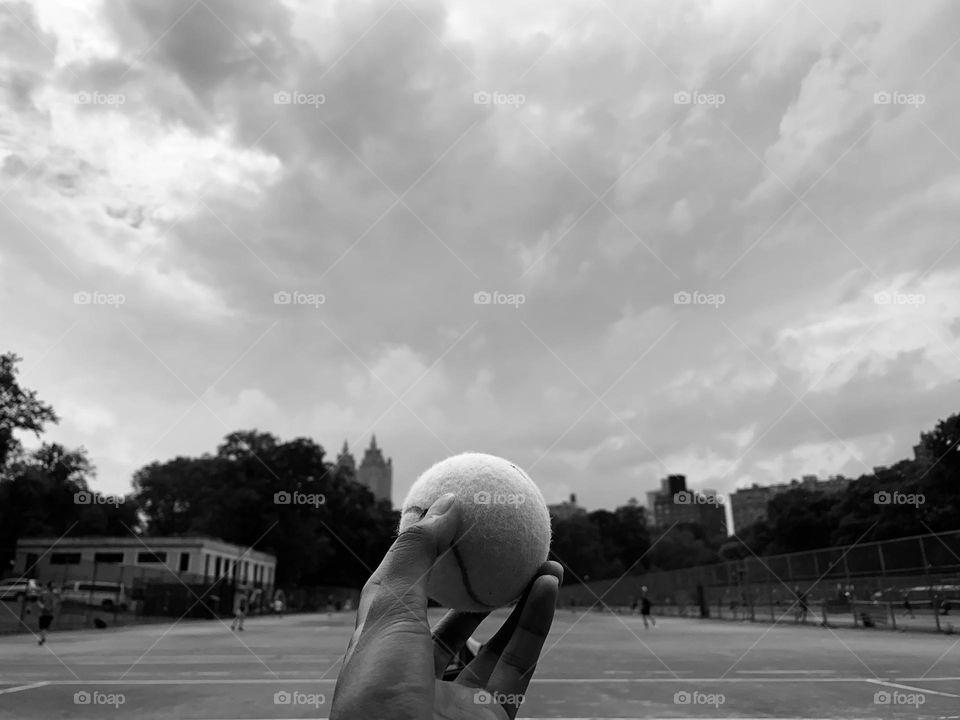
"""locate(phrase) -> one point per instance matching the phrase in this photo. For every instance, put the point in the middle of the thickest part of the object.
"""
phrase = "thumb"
(408, 561)
(399, 585)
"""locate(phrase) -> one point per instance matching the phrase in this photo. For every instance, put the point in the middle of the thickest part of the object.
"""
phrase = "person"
(239, 610)
(49, 607)
(395, 663)
(907, 607)
(645, 606)
(802, 607)
(278, 603)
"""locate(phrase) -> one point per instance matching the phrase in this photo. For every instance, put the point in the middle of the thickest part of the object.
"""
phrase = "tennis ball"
(504, 533)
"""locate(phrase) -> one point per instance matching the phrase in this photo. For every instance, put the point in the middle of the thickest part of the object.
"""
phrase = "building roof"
(144, 543)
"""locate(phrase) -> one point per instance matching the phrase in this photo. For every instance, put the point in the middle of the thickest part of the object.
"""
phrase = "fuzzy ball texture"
(504, 534)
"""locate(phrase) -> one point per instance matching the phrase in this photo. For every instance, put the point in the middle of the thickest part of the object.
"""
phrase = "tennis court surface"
(595, 665)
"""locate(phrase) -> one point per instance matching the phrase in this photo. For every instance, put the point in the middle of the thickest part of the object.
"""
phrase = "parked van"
(108, 595)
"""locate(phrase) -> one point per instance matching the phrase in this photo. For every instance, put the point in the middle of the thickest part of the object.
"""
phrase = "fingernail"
(441, 505)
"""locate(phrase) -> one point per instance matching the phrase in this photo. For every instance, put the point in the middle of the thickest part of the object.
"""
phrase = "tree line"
(289, 499)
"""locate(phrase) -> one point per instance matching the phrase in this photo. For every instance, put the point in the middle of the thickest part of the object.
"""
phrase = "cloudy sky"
(168, 168)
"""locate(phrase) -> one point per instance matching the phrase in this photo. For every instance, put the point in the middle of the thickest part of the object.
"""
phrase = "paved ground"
(598, 665)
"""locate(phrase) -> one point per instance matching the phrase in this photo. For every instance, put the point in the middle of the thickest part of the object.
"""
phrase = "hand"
(394, 662)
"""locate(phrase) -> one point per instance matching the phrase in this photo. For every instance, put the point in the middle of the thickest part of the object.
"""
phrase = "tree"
(19, 410)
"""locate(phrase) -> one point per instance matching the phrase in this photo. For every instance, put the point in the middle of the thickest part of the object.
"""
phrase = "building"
(749, 505)
(133, 559)
(674, 503)
(346, 461)
(566, 509)
(375, 472)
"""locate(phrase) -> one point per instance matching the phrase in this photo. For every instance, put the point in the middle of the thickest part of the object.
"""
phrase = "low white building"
(131, 559)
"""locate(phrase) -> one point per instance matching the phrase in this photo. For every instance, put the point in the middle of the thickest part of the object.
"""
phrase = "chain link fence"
(907, 583)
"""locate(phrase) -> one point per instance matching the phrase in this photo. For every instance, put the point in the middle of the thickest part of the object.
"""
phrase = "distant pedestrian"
(239, 611)
(645, 607)
(279, 602)
(803, 607)
(49, 608)
(908, 608)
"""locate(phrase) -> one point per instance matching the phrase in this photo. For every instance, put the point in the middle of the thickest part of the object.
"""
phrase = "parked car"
(107, 595)
(16, 588)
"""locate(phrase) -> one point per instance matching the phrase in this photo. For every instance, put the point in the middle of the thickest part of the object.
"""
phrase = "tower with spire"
(345, 460)
(375, 472)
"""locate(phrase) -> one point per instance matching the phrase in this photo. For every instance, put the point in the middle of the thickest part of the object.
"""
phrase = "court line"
(915, 689)
(18, 688)
(535, 681)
